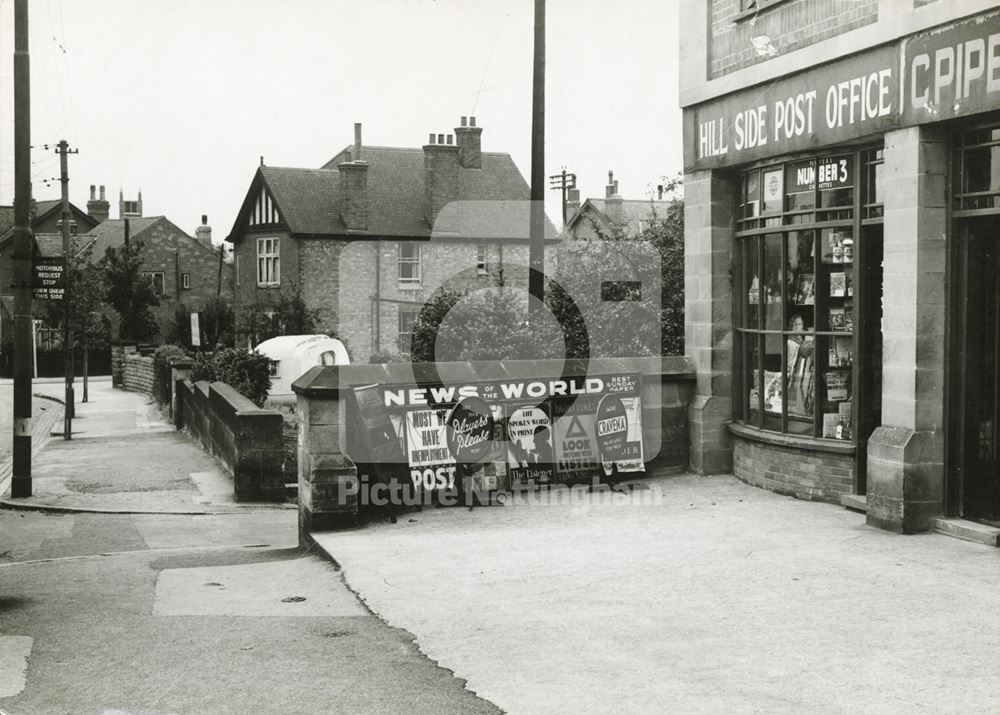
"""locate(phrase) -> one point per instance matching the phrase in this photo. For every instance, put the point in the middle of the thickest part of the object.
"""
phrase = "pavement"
(130, 583)
(124, 457)
(688, 595)
(683, 594)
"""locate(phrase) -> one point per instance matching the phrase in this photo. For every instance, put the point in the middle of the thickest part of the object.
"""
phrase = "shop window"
(977, 170)
(796, 303)
(873, 167)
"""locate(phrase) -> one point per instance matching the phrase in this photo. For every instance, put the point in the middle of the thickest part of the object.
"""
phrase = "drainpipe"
(378, 294)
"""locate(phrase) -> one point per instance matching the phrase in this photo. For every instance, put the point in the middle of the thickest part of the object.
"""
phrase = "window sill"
(268, 285)
(408, 286)
(811, 444)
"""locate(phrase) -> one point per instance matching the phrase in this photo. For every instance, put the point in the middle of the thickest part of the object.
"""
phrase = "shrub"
(162, 357)
(165, 354)
(249, 373)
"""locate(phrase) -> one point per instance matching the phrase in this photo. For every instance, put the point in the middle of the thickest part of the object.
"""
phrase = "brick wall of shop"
(806, 474)
(790, 25)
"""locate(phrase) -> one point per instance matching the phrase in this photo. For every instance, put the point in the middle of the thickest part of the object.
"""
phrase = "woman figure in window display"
(800, 349)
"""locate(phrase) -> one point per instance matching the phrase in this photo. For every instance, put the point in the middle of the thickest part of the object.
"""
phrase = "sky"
(181, 98)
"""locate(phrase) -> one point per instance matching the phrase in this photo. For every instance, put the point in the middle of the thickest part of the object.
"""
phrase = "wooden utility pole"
(536, 251)
(20, 485)
(563, 182)
(63, 151)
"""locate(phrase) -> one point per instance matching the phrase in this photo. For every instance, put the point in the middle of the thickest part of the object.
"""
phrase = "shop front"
(843, 290)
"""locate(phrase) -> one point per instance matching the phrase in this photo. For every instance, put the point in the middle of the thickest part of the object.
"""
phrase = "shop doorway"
(979, 339)
(869, 335)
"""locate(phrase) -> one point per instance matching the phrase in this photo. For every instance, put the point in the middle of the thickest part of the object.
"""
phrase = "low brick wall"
(247, 439)
(138, 374)
(806, 472)
(328, 478)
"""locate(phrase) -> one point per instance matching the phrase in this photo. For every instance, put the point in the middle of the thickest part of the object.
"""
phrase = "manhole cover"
(293, 599)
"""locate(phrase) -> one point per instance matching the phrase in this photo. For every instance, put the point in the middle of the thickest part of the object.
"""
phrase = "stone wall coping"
(326, 381)
(237, 402)
(808, 444)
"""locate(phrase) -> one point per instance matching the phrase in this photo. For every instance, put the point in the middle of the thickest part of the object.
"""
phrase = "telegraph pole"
(20, 485)
(564, 182)
(63, 151)
(536, 250)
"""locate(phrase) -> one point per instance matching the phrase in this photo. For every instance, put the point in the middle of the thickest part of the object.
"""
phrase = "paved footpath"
(701, 595)
(182, 601)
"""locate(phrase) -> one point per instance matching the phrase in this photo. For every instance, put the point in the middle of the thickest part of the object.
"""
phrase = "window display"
(796, 317)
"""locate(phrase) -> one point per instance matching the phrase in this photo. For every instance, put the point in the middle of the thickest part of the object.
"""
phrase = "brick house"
(370, 235)
(185, 270)
(46, 219)
(842, 215)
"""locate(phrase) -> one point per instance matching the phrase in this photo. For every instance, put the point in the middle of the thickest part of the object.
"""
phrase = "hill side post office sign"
(949, 71)
(48, 278)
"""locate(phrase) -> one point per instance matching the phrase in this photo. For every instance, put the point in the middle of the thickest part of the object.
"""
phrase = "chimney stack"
(572, 202)
(613, 200)
(203, 234)
(354, 187)
(129, 209)
(98, 209)
(469, 140)
(440, 175)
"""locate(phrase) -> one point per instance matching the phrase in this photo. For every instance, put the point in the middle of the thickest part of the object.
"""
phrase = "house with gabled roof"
(602, 217)
(370, 235)
(46, 219)
(185, 270)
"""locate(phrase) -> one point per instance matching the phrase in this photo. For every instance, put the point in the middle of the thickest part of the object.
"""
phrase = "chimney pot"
(357, 141)
(204, 219)
(465, 121)
(440, 138)
(449, 139)
(472, 121)
(93, 192)
(102, 192)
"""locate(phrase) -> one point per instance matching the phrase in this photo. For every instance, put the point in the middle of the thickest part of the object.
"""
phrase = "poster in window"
(836, 386)
(773, 397)
(838, 285)
(773, 191)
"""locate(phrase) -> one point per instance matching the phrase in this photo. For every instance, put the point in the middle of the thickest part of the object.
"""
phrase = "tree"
(129, 292)
(215, 322)
(663, 230)
(86, 292)
(594, 300)
(270, 315)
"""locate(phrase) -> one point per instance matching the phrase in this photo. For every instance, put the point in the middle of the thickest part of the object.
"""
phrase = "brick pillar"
(708, 314)
(119, 350)
(906, 453)
(180, 370)
(328, 479)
